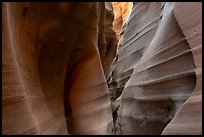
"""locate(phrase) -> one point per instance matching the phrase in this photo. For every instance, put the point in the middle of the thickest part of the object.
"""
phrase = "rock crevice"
(87, 68)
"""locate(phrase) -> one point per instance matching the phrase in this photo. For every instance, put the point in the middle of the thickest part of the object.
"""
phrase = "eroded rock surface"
(155, 69)
(51, 60)
(102, 68)
(189, 119)
(122, 11)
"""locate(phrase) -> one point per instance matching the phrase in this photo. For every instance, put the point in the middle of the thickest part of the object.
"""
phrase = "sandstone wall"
(102, 68)
(108, 47)
(50, 61)
(155, 70)
(122, 11)
(189, 119)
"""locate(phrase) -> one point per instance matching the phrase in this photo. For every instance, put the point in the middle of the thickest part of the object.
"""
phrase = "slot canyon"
(101, 68)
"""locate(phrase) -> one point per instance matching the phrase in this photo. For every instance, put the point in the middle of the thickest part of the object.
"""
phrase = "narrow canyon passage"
(99, 68)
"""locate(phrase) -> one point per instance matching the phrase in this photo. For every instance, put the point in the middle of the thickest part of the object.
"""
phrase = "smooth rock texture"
(122, 11)
(89, 68)
(155, 69)
(189, 119)
(109, 46)
(51, 62)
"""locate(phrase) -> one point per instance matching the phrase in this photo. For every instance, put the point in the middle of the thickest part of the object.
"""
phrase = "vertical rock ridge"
(86, 68)
(152, 94)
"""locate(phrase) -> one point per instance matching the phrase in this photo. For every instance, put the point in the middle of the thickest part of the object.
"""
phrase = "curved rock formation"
(189, 119)
(154, 72)
(49, 53)
(122, 12)
(102, 68)
(108, 47)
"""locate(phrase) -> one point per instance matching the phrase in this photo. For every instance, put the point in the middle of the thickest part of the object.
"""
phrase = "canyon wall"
(102, 68)
(108, 48)
(156, 69)
(51, 63)
(122, 12)
(189, 119)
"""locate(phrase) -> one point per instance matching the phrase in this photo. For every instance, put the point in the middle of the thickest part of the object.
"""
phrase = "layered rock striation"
(101, 68)
(155, 70)
(51, 69)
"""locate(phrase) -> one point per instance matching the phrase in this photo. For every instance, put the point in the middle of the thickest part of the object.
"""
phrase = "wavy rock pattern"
(102, 68)
(189, 119)
(122, 12)
(154, 72)
(49, 53)
(109, 45)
